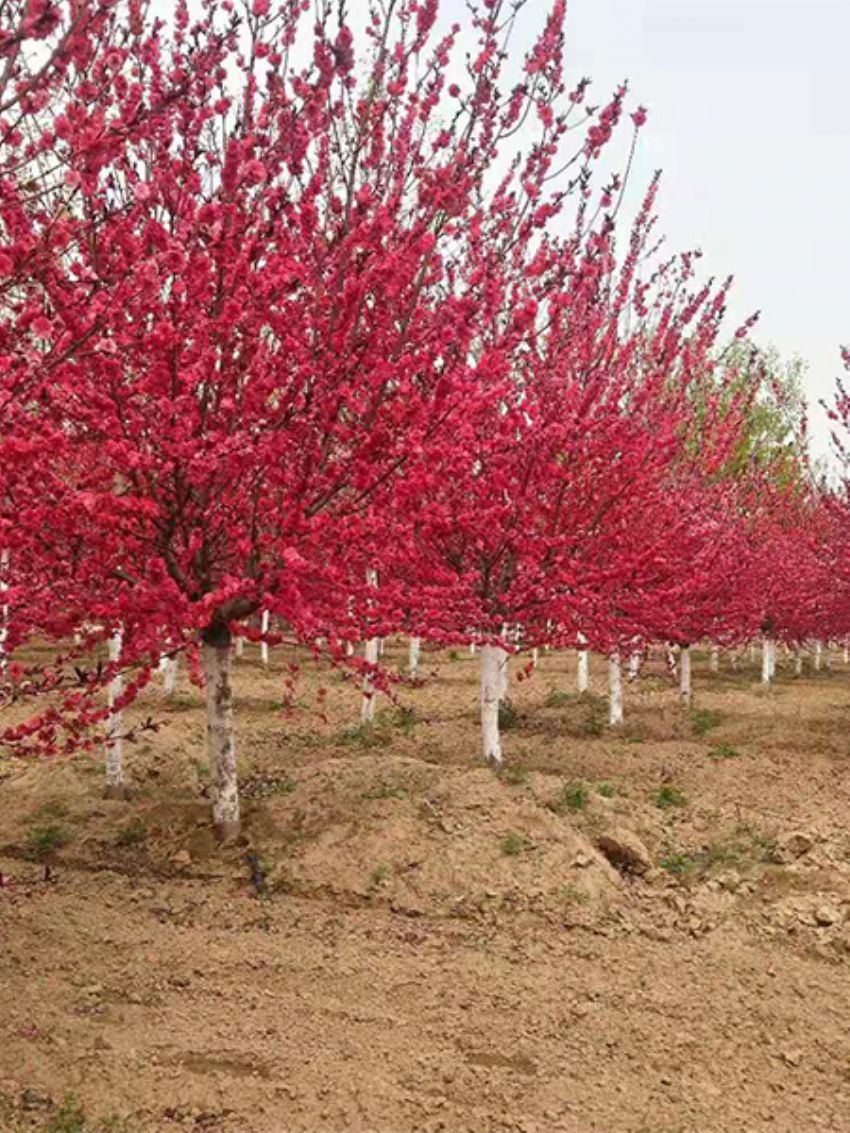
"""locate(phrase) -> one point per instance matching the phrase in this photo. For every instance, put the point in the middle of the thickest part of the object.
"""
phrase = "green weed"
(668, 796)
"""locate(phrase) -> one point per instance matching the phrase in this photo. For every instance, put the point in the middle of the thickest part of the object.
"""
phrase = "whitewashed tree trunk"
(491, 667)
(818, 661)
(264, 645)
(4, 609)
(752, 652)
(413, 661)
(714, 661)
(114, 743)
(615, 691)
(472, 648)
(685, 687)
(634, 665)
(582, 666)
(846, 655)
(672, 663)
(367, 700)
(239, 646)
(221, 748)
(734, 661)
(169, 674)
(767, 661)
(535, 656)
(798, 662)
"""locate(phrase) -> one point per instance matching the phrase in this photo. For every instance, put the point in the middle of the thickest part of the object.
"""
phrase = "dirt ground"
(645, 932)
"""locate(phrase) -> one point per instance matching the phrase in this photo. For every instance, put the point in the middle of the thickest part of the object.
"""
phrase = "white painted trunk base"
(634, 666)
(615, 691)
(415, 648)
(491, 664)
(170, 669)
(4, 609)
(685, 687)
(798, 662)
(535, 656)
(221, 748)
(714, 661)
(367, 701)
(767, 661)
(239, 646)
(582, 670)
(264, 645)
(114, 742)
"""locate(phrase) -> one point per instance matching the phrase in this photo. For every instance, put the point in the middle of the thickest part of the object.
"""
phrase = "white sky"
(750, 120)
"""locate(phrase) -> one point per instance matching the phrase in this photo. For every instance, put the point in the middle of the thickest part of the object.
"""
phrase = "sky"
(749, 121)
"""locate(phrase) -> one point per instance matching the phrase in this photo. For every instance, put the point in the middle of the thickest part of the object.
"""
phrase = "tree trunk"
(367, 702)
(221, 749)
(264, 645)
(4, 610)
(504, 674)
(846, 653)
(169, 674)
(634, 666)
(491, 667)
(116, 785)
(413, 664)
(714, 662)
(798, 662)
(535, 656)
(685, 690)
(582, 666)
(767, 661)
(615, 691)
(239, 646)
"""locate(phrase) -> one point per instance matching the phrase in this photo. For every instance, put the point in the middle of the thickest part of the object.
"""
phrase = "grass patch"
(704, 719)
(677, 864)
(514, 774)
(669, 796)
(606, 790)
(573, 797)
(513, 844)
(405, 718)
(44, 840)
(133, 834)
(379, 875)
(724, 751)
(384, 790)
(508, 716)
(557, 698)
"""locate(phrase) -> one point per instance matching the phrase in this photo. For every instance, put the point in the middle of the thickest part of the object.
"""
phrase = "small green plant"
(724, 751)
(44, 840)
(514, 774)
(133, 834)
(384, 790)
(513, 844)
(405, 718)
(557, 698)
(454, 655)
(378, 876)
(668, 796)
(572, 895)
(508, 715)
(677, 863)
(68, 1118)
(573, 796)
(606, 790)
(704, 719)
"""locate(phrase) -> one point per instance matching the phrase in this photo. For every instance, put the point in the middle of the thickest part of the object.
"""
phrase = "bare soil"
(645, 932)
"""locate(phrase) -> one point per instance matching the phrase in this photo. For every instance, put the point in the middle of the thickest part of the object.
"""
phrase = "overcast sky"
(750, 121)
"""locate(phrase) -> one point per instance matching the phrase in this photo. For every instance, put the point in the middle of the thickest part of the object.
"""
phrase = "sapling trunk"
(767, 661)
(4, 609)
(634, 666)
(685, 689)
(846, 654)
(114, 743)
(818, 661)
(367, 701)
(221, 748)
(798, 662)
(615, 691)
(413, 659)
(582, 666)
(535, 656)
(239, 646)
(491, 663)
(169, 674)
(714, 661)
(264, 645)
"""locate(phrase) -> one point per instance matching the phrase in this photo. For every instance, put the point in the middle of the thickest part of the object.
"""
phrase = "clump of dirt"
(428, 838)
